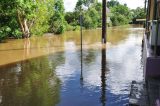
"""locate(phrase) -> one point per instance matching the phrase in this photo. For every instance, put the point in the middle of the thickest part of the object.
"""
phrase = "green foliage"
(138, 13)
(98, 7)
(42, 17)
(72, 18)
(86, 3)
(13, 14)
(112, 3)
(118, 19)
(57, 21)
(72, 28)
(24, 17)
(5, 30)
(120, 14)
(87, 22)
(91, 18)
(79, 5)
(21, 18)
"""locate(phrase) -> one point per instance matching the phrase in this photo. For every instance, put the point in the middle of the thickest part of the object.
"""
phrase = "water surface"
(46, 71)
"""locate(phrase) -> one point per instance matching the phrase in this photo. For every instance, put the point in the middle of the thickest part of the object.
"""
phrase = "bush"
(4, 32)
(72, 28)
(119, 19)
(17, 33)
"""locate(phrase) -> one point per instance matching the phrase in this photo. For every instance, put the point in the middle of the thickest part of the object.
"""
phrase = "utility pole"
(104, 27)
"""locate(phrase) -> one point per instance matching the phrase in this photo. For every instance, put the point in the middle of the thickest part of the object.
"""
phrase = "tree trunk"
(26, 29)
(23, 25)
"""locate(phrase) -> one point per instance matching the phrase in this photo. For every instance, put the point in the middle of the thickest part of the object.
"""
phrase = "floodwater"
(48, 71)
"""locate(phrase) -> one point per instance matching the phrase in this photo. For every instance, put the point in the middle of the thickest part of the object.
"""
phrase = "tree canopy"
(23, 18)
(57, 21)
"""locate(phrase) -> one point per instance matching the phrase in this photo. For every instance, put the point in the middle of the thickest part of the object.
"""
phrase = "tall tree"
(21, 18)
(120, 13)
(86, 3)
(43, 14)
(79, 5)
(25, 14)
(57, 21)
(18, 15)
(112, 3)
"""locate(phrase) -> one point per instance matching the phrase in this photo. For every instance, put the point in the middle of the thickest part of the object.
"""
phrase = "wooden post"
(104, 21)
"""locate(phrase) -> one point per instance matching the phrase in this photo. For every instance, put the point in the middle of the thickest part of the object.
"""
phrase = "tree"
(138, 13)
(18, 15)
(25, 14)
(72, 17)
(120, 14)
(86, 3)
(43, 14)
(98, 8)
(79, 5)
(57, 21)
(91, 18)
(21, 18)
(112, 3)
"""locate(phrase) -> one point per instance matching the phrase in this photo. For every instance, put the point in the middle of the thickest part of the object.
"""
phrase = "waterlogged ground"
(46, 71)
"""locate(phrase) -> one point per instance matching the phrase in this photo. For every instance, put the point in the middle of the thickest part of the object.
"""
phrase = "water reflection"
(103, 78)
(22, 49)
(29, 83)
(27, 47)
(81, 77)
(55, 79)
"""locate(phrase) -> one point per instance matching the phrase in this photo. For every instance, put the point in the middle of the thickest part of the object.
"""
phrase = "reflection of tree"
(30, 83)
(27, 47)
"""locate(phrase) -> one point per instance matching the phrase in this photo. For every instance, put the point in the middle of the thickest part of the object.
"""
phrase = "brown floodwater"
(50, 71)
(18, 50)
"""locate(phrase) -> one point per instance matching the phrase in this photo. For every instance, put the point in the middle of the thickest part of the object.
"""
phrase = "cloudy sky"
(70, 4)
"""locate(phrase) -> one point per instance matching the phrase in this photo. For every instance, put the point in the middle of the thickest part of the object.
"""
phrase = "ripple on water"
(57, 78)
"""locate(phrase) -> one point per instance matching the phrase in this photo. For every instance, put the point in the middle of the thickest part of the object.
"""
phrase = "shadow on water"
(104, 70)
(103, 78)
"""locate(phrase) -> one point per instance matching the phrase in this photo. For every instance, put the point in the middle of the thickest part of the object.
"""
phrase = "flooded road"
(46, 71)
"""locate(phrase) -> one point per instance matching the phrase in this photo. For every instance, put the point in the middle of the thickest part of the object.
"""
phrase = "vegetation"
(57, 21)
(23, 18)
(138, 13)
(43, 14)
(120, 14)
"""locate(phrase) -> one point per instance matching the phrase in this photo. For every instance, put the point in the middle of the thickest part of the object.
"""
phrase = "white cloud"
(70, 4)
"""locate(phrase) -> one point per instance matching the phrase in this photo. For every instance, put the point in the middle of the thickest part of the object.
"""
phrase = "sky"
(70, 4)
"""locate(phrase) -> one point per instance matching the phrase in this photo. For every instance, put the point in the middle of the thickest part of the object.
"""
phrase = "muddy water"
(46, 71)
(18, 50)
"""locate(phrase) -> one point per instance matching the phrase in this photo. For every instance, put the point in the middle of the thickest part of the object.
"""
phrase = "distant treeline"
(23, 18)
